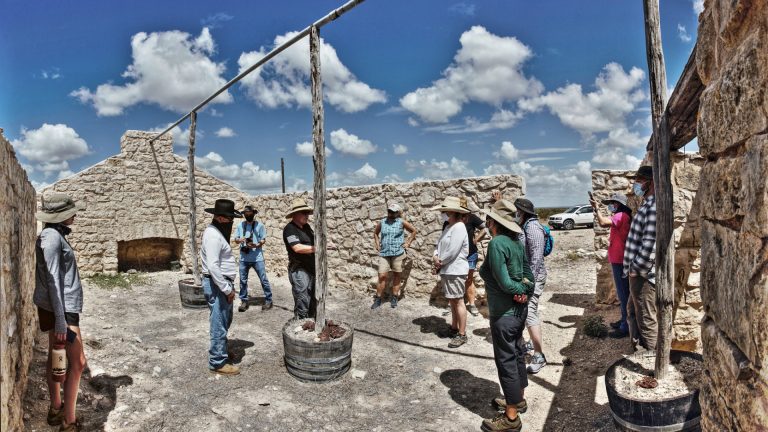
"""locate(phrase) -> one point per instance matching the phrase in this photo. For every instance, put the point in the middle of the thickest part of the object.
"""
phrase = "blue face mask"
(637, 189)
(612, 208)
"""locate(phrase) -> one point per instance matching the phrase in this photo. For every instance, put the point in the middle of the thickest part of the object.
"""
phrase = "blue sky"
(413, 90)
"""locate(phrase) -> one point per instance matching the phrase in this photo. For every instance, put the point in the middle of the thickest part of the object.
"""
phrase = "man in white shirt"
(219, 272)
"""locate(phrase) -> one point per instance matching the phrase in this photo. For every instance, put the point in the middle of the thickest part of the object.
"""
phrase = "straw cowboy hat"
(452, 204)
(56, 208)
(617, 197)
(504, 212)
(298, 205)
(224, 207)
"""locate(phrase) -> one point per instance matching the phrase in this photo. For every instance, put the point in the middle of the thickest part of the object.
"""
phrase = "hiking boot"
(266, 306)
(618, 334)
(500, 404)
(502, 423)
(537, 362)
(393, 301)
(457, 341)
(243, 306)
(55, 416)
(471, 308)
(616, 324)
(227, 369)
(72, 427)
(450, 333)
(376, 302)
(529, 348)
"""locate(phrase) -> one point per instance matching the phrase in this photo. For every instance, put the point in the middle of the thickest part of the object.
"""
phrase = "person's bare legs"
(54, 388)
(76, 361)
(459, 315)
(382, 284)
(469, 286)
(395, 284)
(535, 333)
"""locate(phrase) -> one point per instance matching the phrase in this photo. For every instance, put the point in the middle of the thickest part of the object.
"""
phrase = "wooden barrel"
(682, 413)
(311, 361)
(191, 295)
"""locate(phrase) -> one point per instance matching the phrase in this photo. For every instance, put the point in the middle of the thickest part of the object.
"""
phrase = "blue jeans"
(221, 319)
(262, 272)
(622, 292)
(303, 287)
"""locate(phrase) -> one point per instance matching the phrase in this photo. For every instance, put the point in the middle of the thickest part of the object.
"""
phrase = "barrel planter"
(311, 361)
(191, 295)
(681, 413)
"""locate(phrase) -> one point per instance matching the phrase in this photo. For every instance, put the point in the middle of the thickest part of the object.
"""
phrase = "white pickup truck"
(580, 215)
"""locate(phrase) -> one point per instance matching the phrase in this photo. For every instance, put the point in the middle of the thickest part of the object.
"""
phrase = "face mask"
(612, 208)
(444, 217)
(637, 189)
(518, 219)
(224, 228)
(249, 218)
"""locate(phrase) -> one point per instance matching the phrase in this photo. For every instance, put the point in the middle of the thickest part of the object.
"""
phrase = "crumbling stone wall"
(732, 61)
(686, 170)
(18, 315)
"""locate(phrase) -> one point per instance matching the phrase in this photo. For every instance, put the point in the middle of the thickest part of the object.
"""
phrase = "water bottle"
(59, 362)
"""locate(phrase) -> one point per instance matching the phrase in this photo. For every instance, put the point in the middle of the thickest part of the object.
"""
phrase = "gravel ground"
(148, 364)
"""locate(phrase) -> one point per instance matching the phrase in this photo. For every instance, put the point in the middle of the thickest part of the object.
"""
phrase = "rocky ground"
(148, 364)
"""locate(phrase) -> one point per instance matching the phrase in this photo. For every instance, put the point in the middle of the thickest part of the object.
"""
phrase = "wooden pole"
(282, 172)
(665, 247)
(192, 200)
(321, 262)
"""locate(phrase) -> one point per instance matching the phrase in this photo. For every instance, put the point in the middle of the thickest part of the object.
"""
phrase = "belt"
(225, 277)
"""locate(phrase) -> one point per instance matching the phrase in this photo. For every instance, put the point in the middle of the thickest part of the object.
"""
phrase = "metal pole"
(282, 172)
(319, 23)
(192, 199)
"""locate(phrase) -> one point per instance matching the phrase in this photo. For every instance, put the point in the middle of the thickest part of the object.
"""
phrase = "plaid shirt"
(640, 250)
(533, 243)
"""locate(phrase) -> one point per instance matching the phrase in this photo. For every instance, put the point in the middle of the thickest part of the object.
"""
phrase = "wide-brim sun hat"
(504, 212)
(299, 205)
(617, 197)
(645, 171)
(452, 204)
(224, 207)
(56, 208)
(525, 206)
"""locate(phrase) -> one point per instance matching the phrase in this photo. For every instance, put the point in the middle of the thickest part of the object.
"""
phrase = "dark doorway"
(148, 254)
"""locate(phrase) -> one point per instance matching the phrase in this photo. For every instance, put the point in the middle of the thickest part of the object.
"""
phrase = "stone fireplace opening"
(148, 254)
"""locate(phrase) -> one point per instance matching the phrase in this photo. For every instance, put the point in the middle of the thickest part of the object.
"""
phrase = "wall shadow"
(471, 392)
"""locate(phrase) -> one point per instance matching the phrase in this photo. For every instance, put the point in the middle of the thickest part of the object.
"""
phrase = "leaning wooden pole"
(192, 200)
(665, 247)
(321, 261)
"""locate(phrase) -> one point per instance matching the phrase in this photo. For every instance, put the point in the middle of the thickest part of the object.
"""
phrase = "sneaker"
(502, 423)
(243, 306)
(450, 333)
(537, 362)
(529, 348)
(55, 416)
(72, 427)
(616, 324)
(618, 334)
(227, 369)
(473, 310)
(457, 341)
(500, 404)
(393, 301)
(376, 302)
(266, 306)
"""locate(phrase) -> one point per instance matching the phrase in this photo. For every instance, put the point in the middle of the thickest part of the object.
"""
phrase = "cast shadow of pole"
(471, 392)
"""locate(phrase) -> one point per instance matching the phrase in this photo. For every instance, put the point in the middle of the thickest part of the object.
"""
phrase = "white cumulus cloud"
(440, 170)
(50, 147)
(307, 149)
(247, 176)
(349, 144)
(225, 132)
(549, 186)
(508, 151)
(487, 69)
(399, 149)
(366, 174)
(284, 81)
(170, 69)
(698, 6)
(682, 33)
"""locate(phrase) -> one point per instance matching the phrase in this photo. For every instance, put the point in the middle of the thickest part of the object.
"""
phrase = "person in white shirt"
(450, 261)
(219, 270)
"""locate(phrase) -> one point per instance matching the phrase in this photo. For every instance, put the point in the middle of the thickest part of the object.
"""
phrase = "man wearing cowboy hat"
(534, 240)
(251, 236)
(299, 241)
(219, 272)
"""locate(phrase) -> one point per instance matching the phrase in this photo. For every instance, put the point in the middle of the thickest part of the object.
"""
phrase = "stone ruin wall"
(732, 61)
(125, 199)
(688, 313)
(18, 315)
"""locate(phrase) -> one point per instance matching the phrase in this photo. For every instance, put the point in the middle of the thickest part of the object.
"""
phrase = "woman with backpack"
(619, 222)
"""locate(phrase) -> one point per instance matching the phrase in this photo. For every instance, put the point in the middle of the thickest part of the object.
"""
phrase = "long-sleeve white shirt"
(217, 259)
(453, 249)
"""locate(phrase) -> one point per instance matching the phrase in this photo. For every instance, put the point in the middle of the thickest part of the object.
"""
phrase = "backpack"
(549, 241)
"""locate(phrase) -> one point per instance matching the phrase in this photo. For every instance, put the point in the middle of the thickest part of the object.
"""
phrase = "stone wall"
(686, 170)
(732, 61)
(141, 194)
(18, 317)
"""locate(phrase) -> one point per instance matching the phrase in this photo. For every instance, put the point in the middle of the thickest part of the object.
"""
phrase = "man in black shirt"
(299, 241)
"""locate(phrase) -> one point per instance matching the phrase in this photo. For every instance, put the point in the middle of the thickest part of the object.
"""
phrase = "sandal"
(55, 416)
(72, 427)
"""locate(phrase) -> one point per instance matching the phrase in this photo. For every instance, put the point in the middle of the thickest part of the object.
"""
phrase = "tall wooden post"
(192, 200)
(321, 262)
(665, 247)
(282, 172)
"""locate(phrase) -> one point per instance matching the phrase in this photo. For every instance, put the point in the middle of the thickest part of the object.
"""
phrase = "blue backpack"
(549, 241)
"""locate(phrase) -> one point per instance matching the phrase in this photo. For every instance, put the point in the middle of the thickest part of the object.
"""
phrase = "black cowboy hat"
(645, 171)
(224, 207)
(525, 206)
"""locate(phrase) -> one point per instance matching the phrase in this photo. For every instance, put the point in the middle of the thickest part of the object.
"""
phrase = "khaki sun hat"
(452, 204)
(619, 198)
(504, 212)
(298, 205)
(56, 208)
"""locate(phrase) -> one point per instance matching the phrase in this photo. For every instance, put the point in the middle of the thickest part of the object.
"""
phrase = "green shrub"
(595, 327)
(120, 280)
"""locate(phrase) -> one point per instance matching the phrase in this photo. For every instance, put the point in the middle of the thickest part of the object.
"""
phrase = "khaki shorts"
(453, 285)
(391, 263)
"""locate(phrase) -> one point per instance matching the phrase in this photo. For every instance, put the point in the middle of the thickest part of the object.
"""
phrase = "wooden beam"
(192, 198)
(665, 248)
(321, 228)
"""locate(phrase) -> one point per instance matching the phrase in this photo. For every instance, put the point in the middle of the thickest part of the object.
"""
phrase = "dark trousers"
(509, 354)
(303, 287)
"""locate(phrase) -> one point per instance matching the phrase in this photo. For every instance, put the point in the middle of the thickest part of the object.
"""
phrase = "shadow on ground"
(471, 392)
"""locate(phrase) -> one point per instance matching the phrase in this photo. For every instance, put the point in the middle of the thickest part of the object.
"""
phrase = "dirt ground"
(148, 364)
